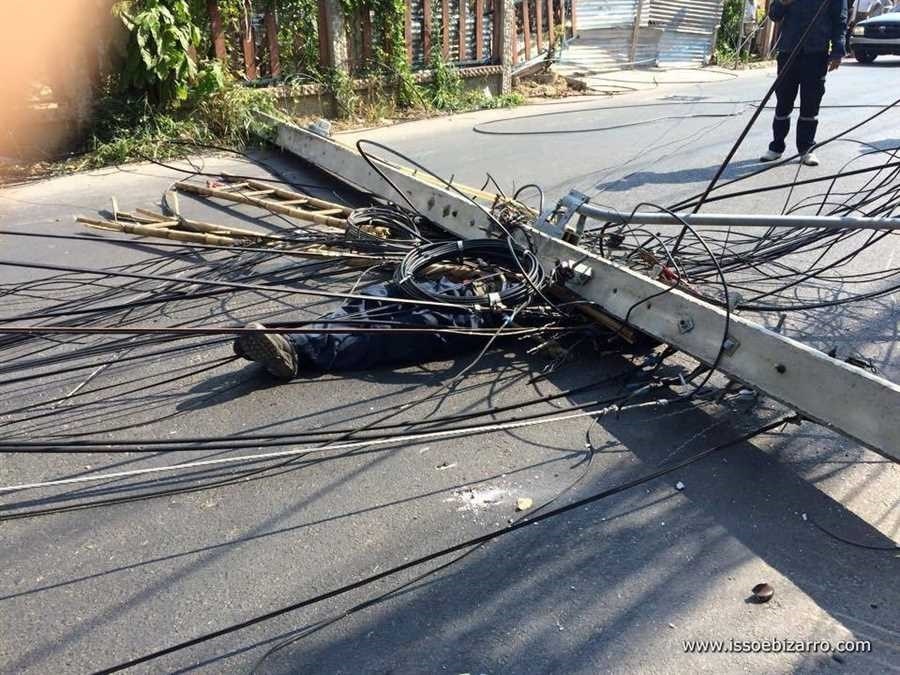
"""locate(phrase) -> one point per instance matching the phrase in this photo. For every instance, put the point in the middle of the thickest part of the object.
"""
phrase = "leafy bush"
(127, 130)
(235, 114)
(159, 62)
(445, 91)
(730, 28)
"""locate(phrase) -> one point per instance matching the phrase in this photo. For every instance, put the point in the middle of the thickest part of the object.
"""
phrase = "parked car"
(868, 9)
(876, 36)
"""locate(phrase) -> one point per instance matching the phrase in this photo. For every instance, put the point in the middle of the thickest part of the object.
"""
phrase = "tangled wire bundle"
(516, 277)
(389, 227)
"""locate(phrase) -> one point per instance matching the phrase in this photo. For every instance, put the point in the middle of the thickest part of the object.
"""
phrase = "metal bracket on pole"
(555, 222)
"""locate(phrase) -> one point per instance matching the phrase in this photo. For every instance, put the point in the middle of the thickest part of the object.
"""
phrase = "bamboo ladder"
(273, 199)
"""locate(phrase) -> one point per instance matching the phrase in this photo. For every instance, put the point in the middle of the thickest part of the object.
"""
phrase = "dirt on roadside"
(548, 84)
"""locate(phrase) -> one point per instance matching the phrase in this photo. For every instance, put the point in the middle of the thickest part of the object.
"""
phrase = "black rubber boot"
(272, 350)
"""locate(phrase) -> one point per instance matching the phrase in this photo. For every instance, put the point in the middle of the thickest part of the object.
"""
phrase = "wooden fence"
(463, 32)
(538, 24)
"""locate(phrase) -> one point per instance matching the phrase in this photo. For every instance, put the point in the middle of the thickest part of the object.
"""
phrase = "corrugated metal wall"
(679, 48)
(607, 49)
(699, 16)
(689, 26)
(593, 14)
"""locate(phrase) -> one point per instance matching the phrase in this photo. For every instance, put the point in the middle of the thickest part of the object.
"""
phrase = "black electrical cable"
(481, 127)
(450, 186)
(588, 463)
(288, 437)
(622, 487)
(402, 231)
(490, 253)
(13, 510)
(207, 282)
(693, 201)
(851, 542)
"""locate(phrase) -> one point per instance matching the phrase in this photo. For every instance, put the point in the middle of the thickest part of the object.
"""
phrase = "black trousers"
(806, 75)
(331, 352)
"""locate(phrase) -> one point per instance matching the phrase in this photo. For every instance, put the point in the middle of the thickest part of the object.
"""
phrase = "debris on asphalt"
(524, 503)
(476, 499)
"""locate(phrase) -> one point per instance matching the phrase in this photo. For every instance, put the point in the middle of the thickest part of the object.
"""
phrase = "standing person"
(821, 52)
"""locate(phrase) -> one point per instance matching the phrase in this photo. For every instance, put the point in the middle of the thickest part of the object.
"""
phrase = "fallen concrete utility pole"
(833, 393)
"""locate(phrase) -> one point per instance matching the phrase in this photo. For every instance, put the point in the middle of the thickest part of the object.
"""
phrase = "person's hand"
(834, 63)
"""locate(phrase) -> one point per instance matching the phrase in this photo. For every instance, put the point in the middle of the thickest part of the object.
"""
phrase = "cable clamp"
(494, 299)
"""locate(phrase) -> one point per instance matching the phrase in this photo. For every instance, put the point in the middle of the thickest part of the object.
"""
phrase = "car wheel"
(865, 57)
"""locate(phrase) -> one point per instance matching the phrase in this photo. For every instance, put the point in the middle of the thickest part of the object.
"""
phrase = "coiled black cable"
(403, 233)
(513, 261)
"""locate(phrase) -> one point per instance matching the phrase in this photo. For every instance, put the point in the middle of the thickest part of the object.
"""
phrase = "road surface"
(618, 586)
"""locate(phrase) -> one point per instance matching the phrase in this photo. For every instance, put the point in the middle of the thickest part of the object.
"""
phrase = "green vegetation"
(446, 91)
(128, 130)
(729, 31)
(730, 38)
(158, 63)
(168, 89)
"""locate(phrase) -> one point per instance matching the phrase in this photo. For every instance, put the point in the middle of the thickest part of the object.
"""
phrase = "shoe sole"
(272, 351)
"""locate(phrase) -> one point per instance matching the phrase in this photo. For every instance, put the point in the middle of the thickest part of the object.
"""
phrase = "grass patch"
(126, 131)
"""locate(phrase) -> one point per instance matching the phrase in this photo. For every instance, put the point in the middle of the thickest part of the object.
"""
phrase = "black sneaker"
(272, 350)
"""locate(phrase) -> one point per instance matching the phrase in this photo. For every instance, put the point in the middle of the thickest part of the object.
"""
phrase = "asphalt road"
(613, 587)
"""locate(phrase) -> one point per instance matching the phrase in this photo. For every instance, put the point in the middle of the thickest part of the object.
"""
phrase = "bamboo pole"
(149, 231)
(212, 228)
(296, 197)
(208, 239)
(267, 204)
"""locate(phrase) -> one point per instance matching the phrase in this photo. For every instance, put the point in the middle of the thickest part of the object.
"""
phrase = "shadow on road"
(678, 177)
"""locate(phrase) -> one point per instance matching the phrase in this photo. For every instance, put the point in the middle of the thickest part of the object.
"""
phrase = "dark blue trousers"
(806, 75)
(362, 351)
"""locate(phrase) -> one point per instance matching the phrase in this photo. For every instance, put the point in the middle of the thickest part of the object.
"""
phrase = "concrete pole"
(507, 10)
(337, 36)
